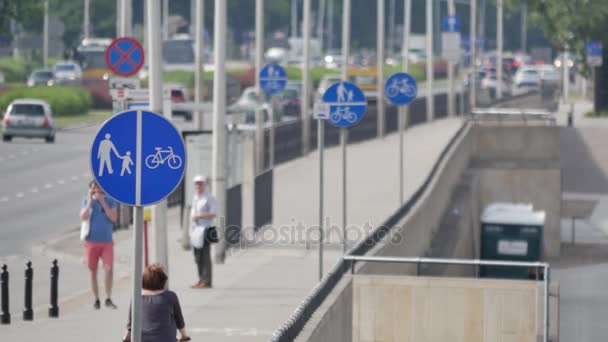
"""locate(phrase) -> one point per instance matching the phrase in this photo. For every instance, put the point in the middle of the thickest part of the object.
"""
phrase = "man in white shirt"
(202, 214)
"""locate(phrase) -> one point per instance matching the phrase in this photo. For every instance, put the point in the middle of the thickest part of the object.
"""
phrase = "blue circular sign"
(273, 78)
(401, 88)
(138, 157)
(125, 56)
(347, 104)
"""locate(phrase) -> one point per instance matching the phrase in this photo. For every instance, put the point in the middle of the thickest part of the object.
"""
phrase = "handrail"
(474, 262)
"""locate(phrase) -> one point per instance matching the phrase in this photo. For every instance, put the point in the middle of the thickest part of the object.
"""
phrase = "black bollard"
(5, 315)
(28, 313)
(54, 309)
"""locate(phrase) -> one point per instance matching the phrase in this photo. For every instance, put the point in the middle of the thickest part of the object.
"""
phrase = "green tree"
(71, 14)
(27, 13)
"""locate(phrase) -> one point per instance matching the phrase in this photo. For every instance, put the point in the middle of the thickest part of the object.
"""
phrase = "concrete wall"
(520, 164)
(402, 308)
(333, 320)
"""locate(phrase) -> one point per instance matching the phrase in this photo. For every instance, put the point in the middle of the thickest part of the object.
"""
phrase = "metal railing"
(473, 262)
(512, 114)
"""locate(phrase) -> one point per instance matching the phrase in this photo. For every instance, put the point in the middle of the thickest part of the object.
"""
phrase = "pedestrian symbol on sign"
(347, 104)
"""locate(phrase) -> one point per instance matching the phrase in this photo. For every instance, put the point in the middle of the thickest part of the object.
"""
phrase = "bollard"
(54, 309)
(5, 315)
(28, 313)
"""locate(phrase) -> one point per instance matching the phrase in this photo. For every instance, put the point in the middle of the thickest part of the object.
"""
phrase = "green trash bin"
(511, 232)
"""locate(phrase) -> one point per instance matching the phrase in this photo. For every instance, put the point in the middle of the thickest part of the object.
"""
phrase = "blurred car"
(324, 84)
(333, 59)
(548, 73)
(67, 72)
(417, 55)
(287, 102)
(489, 84)
(248, 97)
(527, 77)
(28, 118)
(178, 93)
(572, 62)
(41, 77)
(276, 55)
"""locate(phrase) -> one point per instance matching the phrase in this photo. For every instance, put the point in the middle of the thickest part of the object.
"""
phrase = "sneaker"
(109, 304)
(97, 304)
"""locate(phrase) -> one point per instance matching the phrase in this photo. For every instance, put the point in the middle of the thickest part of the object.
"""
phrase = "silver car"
(28, 118)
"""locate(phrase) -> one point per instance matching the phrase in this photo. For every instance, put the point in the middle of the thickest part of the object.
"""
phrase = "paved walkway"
(259, 286)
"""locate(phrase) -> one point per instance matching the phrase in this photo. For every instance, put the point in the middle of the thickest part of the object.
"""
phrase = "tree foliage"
(27, 13)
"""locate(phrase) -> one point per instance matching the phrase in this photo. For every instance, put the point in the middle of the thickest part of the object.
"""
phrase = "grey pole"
(306, 80)
(320, 23)
(565, 78)
(343, 131)
(165, 19)
(259, 60)
(45, 43)
(473, 44)
(294, 18)
(129, 18)
(429, 61)
(392, 40)
(124, 12)
(219, 126)
(381, 116)
(321, 147)
(192, 16)
(524, 28)
(154, 53)
(86, 24)
(199, 81)
(403, 110)
(118, 17)
(499, 37)
(330, 24)
(138, 221)
(451, 66)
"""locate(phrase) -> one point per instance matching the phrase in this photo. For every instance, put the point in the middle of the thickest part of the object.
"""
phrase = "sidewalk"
(259, 286)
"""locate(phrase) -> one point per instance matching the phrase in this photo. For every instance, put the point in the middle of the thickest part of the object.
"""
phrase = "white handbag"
(85, 226)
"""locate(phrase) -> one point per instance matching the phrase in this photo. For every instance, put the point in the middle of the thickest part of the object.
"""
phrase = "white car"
(28, 118)
(489, 85)
(548, 73)
(325, 83)
(67, 72)
(527, 77)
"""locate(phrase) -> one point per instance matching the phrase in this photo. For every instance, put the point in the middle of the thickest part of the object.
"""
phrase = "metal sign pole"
(343, 131)
(138, 219)
(429, 61)
(321, 147)
(473, 49)
(403, 110)
(451, 66)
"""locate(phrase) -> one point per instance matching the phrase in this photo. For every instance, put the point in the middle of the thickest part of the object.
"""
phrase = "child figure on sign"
(126, 163)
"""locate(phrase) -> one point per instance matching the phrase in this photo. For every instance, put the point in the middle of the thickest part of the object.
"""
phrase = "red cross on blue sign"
(125, 56)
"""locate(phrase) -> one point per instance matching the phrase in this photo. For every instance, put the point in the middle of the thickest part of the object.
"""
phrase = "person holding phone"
(102, 214)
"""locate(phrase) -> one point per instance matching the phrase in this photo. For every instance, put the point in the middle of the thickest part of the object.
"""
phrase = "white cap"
(199, 178)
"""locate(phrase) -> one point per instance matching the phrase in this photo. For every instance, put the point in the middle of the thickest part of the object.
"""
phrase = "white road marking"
(61, 181)
(48, 185)
(34, 190)
(233, 331)
(20, 195)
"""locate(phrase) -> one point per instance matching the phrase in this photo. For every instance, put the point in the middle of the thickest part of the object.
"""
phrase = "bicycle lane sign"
(401, 88)
(346, 102)
(138, 157)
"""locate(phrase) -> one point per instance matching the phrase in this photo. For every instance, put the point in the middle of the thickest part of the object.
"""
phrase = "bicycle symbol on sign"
(401, 86)
(343, 113)
(161, 156)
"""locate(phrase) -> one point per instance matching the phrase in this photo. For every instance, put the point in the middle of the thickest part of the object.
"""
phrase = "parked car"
(43, 77)
(67, 72)
(548, 73)
(178, 94)
(324, 84)
(287, 102)
(527, 77)
(249, 96)
(28, 118)
(489, 85)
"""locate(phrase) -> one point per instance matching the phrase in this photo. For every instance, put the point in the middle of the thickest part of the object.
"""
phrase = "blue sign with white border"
(138, 157)
(347, 104)
(595, 52)
(273, 78)
(401, 88)
(451, 23)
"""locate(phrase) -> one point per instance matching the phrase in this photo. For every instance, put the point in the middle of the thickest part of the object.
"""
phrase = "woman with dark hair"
(161, 313)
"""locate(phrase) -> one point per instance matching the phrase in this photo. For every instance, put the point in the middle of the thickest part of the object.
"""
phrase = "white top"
(513, 213)
(203, 203)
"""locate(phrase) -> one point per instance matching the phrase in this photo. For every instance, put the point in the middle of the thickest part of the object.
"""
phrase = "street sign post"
(595, 52)
(451, 23)
(401, 88)
(451, 47)
(273, 78)
(346, 102)
(125, 56)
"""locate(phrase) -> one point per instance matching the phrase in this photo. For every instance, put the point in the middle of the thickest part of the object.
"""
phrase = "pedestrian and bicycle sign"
(401, 88)
(451, 23)
(595, 52)
(347, 104)
(138, 157)
(273, 78)
(125, 56)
